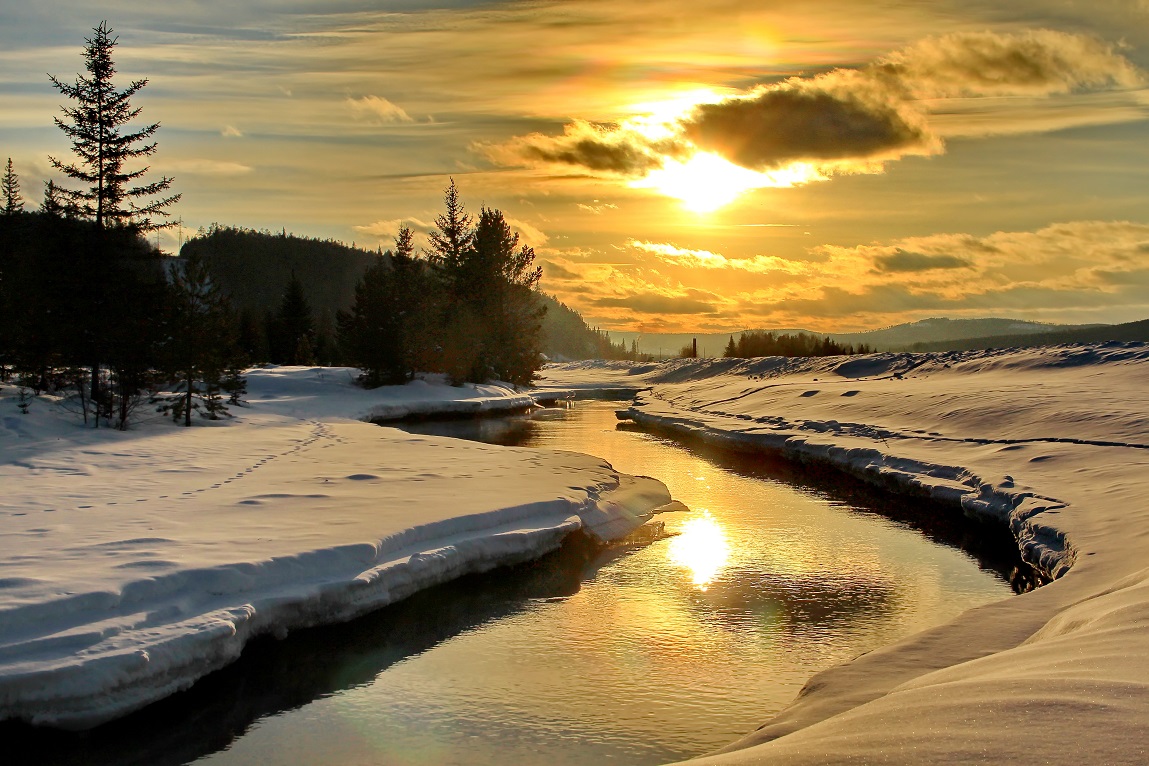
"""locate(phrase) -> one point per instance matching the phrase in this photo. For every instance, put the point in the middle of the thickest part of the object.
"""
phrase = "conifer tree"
(13, 203)
(292, 332)
(52, 205)
(111, 194)
(201, 350)
(390, 326)
(453, 234)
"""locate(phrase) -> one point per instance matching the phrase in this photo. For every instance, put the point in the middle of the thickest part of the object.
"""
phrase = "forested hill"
(1130, 331)
(254, 267)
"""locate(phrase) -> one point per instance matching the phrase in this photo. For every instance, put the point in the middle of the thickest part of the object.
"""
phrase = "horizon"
(665, 165)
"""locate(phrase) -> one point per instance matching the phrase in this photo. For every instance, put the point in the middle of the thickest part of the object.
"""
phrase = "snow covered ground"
(133, 563)
(1054, 442)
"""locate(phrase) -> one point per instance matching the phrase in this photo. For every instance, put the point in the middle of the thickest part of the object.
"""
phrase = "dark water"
(636, 656)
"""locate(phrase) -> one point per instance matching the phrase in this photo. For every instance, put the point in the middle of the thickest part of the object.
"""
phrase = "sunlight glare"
(707, 181)
(701, 547)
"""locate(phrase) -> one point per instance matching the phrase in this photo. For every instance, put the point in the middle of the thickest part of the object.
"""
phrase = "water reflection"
(700, 547)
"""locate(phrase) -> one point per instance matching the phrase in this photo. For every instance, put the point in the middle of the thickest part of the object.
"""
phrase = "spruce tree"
(292, 333)
(111, 194)
(390, 325)
(452, 236)
(13, 203)
(52, 205)
(201, 351)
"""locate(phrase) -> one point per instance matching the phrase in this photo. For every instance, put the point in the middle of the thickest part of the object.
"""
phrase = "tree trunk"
(95, 393)
(188, 402)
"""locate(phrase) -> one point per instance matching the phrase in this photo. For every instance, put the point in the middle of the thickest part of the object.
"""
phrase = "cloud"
(379, 109)
(613, 149)
(827, 119)
(1036, 62)
(553, 270)
(704, 259)
(202, 167)
(840, 121)
(654, 303)
(597, 207)
(390, 228)
(230, 131)
(529, 235)
(904, 260)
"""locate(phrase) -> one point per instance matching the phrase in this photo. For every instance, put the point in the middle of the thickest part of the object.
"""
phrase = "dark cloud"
(905, 260)
(796, 122)
(652, 303)
(598, 148)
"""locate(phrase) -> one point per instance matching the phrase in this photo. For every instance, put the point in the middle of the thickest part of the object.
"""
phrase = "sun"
(706, 182)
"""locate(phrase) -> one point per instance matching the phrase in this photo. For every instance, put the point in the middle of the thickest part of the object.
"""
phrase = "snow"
(133, 563)
(1053, 442)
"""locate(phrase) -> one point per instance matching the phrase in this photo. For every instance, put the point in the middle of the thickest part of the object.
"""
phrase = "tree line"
(754, 343)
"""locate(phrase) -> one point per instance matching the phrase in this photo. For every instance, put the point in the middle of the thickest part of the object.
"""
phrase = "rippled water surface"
(664, 652)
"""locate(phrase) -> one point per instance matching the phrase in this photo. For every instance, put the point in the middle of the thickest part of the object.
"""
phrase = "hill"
(1130, 331)
(254, 268)
(895, 338)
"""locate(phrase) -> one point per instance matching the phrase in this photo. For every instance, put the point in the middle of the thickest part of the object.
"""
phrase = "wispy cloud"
(379, 110)
(704, 259)
(205, 167)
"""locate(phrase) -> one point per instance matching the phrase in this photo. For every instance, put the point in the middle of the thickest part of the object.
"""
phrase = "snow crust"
(133, 563)
(1053, 442)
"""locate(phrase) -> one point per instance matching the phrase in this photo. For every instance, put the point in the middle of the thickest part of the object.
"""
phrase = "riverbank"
(1053, 442)
(135, 562)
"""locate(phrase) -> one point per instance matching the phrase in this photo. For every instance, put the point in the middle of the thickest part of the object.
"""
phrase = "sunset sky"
(677, 165)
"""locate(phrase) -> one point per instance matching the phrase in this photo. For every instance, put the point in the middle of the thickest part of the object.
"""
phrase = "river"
(635, 655)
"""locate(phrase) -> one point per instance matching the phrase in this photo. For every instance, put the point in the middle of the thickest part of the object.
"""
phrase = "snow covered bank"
(591, 379)
(1054, 442)
(133, 563)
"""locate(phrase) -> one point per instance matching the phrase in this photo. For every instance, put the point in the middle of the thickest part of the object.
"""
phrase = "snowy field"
(1053, 442)
(133, 563)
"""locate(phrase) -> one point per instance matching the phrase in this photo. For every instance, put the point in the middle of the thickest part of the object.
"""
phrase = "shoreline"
(1051, 441)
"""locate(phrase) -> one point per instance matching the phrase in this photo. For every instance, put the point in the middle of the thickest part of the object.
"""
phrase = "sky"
(677, 165)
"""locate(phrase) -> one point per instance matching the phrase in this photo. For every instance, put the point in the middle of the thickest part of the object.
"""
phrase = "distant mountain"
(1130, 331)
(940, 329)
(896, 338)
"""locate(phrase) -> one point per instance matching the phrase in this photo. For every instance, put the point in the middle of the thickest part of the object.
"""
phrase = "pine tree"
(731, 349)
(391, 325)
(453, 235)
(201, 351)
(501, 279)
(13, 203)
(292, 325)
(95, 126)
(52, 205)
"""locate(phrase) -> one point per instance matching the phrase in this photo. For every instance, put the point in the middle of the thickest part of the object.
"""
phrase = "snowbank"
(1053, 442)
(134, 563)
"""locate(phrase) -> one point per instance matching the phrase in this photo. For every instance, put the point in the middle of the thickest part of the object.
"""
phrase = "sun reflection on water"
(701, 547)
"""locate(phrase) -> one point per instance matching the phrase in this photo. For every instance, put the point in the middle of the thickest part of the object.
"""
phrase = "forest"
(91, 312)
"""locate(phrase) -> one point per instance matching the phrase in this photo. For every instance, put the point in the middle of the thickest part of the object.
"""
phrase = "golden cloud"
(841, 121)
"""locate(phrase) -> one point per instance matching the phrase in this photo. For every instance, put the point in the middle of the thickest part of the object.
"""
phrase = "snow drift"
(134, 563)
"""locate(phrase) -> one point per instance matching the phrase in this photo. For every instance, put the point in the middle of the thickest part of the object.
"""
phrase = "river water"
(637, 655)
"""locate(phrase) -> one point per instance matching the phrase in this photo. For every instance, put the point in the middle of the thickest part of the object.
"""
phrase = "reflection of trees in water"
(273, 676)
